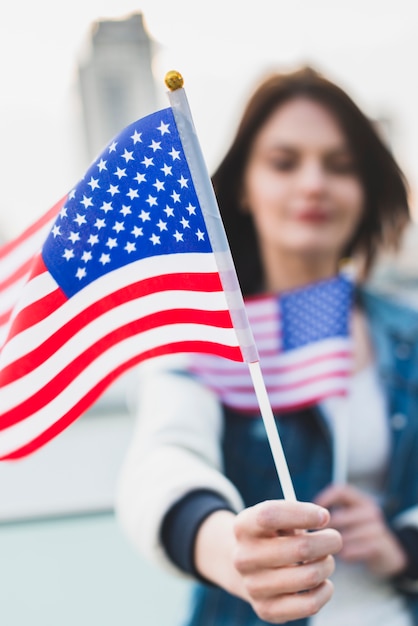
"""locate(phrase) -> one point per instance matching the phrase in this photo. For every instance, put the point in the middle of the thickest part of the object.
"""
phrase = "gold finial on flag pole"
(174, 80)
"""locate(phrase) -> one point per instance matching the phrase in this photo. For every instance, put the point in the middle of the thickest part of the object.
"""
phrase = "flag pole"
(220, 246)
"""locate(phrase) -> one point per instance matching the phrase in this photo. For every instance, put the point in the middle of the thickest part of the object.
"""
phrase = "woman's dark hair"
(386, 195)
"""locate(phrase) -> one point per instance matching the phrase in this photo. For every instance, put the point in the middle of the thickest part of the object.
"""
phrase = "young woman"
(306, 183)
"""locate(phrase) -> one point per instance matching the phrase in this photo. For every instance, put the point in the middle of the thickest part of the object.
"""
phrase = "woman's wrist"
(214, 552)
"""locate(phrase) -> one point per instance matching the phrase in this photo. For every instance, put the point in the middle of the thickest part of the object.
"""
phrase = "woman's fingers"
(271, 517)
(291, 579)
(280, 551)
(284, 608)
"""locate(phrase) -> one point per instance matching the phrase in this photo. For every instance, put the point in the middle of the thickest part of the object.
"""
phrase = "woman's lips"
(313, 216)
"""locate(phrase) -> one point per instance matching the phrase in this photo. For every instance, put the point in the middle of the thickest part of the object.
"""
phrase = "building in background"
(115, 78)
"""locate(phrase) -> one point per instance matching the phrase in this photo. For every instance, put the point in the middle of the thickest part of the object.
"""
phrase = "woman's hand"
(264, 556)
(366, 536)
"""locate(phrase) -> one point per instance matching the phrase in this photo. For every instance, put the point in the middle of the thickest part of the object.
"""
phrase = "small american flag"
(127, 272)
(304, 343)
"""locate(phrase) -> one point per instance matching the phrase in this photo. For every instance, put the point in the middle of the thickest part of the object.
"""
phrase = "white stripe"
(23, 251)
(98, 328)
(27, 430)
(241, 377)
(282, 399)
(10, 295)
(26, 340)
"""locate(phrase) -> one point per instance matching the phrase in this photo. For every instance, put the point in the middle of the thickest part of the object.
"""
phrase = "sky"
(221, 47)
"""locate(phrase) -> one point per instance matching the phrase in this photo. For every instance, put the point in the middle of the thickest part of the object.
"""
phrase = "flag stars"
(130, 247)
(94, 183)
(136, 137)
(169, 211)
(132, 193)
(81, 273)
(167, 170)
(125, 210)
(104, 258)
(183, 181)
(106, 207)
(100, 223)
(80, 219)
(56, 230)
(200, 236)
(111, 243)
(127, 155)
(118, 226)
(93, 239)
(152, 201)
(162, 225)
(86, 256)
(140, 178)
(86, 202)
(68, 254)
(102, 165)
(163, 128)
(147, 161)
(112, 147)
(155, 239)
(191, 209)
(71, 195)
(120, 173)
(159, 185)
(178, 236)
(63, 212)
(155, 145)
(73, 237)
(175, 196)
(113, 190)
(175, 154)
(184, 222)
(144, 216)
(137, 231)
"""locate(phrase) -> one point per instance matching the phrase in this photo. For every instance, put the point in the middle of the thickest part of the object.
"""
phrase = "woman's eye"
(345, 166)
(283, 165)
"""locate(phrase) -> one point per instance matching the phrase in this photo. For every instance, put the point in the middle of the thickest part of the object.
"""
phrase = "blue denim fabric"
(307, 445)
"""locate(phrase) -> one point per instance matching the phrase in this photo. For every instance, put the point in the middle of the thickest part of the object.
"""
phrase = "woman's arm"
(174, 450)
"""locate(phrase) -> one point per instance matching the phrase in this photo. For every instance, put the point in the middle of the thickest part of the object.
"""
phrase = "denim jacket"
(307, 445)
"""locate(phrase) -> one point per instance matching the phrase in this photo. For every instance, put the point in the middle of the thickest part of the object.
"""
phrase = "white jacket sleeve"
(175, 449)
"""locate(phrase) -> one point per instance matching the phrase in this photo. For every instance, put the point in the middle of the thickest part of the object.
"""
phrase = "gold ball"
(174, 80)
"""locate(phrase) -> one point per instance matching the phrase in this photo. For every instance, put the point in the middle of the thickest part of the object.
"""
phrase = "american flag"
(304, 345)
(127, 272)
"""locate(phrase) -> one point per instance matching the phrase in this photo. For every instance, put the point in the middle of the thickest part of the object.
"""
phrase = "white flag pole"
(226, 268)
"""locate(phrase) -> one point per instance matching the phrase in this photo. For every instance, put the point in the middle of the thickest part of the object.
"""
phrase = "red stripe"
(281, 388)
(230, 369)
(17, 274)
(4, 317)
(286, 408)
(72, 370)
(42, 221)
(86, 402)
(42, 308)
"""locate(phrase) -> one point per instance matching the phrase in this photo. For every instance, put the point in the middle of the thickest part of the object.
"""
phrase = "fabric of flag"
(16, 258)
(126, 273)
(305, 349)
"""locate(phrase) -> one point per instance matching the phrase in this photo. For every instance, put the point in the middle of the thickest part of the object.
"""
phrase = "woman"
(306, 183)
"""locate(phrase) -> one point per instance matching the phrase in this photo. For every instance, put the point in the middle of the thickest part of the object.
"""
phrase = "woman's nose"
(312, 178)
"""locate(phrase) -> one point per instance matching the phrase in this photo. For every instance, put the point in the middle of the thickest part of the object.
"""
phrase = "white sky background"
(221, 47)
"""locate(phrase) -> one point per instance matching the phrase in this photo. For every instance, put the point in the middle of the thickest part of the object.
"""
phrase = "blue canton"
(316, 312)
(136, 200)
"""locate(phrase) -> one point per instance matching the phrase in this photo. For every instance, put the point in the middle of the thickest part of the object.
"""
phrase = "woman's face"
(301, 184)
